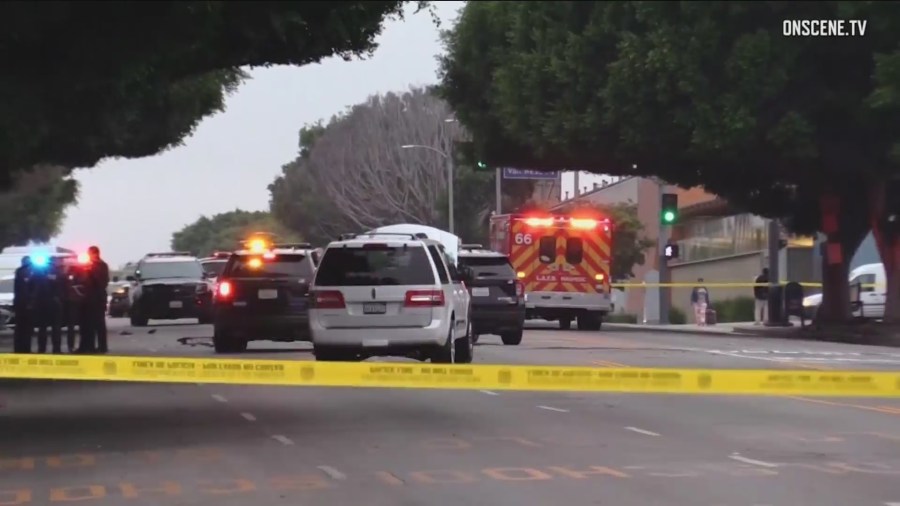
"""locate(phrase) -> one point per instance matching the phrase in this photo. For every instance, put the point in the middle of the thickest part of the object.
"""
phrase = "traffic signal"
(669, 208)
(670, 251)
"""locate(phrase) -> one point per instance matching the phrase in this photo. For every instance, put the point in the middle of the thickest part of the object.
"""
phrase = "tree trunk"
(889, 250)
(852, 229)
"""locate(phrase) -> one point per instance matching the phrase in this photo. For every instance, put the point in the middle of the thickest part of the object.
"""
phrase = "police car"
(389, 294)
(498, 296)
(263, 294)
(215, 264)
(169, 286)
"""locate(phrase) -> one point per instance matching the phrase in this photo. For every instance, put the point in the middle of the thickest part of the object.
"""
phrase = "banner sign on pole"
(510, 173)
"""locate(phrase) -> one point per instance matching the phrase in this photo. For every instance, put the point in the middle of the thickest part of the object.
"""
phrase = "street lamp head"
(407, 146)
(450, 120)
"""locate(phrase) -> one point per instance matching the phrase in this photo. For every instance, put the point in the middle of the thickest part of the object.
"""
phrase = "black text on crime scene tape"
(830, 382)
(420, 374)
(191, 368)
(600, 377)
(65, 363)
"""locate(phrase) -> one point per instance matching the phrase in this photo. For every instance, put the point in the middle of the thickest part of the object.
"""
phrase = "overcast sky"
(131, 207)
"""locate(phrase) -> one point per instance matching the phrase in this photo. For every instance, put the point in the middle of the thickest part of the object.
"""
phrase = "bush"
(677, 316)
(621, 318)
(738, 309)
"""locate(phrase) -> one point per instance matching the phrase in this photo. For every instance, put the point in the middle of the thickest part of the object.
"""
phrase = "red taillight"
(330, 299)
(224, 289)
(520, 289)
(424, 298)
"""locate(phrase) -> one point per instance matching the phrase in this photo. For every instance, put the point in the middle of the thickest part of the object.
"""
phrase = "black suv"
(263, 295)
(498, 297)
(169, 286)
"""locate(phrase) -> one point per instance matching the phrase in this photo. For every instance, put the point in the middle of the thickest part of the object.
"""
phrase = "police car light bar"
(472, 246)
(170, 254)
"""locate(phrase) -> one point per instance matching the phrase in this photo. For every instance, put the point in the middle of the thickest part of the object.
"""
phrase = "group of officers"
(58, 294)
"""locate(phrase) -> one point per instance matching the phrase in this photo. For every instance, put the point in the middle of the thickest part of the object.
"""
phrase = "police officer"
(21, 303)
(98, 283)
(72, 296)
(47, 305)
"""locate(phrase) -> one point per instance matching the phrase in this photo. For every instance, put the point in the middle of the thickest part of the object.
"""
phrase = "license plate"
(176, 304)
(268, 294)
(374, 308)
(481, 292)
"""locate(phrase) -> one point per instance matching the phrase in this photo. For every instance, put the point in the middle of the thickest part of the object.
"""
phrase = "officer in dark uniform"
(98, 283)
(72, 297)
(47, 305)
(21, 303)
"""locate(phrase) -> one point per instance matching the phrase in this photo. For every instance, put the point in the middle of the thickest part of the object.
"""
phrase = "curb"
(673, 329)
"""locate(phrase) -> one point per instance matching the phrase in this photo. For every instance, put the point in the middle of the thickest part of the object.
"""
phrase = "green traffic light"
(482, 165)
(669, 216)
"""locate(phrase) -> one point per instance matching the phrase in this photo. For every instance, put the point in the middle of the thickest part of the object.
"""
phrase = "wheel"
(512, 338)
(565, 323)
(326, 354)
(138, 320)
(223, 342)
(465, 347)
(446, 353)
(590, 321)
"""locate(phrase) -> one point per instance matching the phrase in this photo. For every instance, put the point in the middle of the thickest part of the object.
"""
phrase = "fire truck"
(564, 262)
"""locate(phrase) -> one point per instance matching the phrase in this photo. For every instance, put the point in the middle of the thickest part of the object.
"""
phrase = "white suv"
(384, 294)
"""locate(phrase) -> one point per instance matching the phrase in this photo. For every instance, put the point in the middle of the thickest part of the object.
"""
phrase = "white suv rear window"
(375, 265)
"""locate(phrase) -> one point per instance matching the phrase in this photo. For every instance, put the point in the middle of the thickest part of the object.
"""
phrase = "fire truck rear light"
(583, 224)
(328, 299)
(424, 298)
(539, 222)
(599, 277)
(520, 275)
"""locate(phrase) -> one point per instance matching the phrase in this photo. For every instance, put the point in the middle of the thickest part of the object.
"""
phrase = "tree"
(82, 82)
(225, 231)
(364, 170)
(35, 205)
(697, 94)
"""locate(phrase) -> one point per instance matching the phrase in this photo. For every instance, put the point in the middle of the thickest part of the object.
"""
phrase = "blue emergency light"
(40, 261)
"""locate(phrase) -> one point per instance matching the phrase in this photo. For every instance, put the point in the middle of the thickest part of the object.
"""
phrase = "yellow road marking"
(877, 409)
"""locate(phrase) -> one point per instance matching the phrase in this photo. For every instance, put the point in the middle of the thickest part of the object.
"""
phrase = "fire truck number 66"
(523, 238)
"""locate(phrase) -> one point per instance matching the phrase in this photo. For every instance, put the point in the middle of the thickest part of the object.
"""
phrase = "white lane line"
(332, 473)
(219, 398)
(488, 392)
(642, 431)
(283, 440)
(550, 408)
(745, 460)
(249, 417)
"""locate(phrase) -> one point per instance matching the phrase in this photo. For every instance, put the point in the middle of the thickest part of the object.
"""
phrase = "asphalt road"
(151, 444)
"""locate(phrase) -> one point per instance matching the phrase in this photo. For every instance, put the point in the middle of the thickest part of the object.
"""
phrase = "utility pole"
(450, 186)
(776, 295)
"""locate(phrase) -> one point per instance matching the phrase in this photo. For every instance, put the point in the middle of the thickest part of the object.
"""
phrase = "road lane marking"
(890, 411)
(745, 460)
(219, 398)
(249, 417)
(283, 440)
(642, 431)
(750, 357)
(332, 473)
(551, 408)
(488, 392)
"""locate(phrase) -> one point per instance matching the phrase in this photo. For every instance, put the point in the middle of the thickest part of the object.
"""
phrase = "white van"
(872, 297)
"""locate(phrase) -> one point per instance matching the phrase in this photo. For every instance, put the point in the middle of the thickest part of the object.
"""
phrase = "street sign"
(510, 173)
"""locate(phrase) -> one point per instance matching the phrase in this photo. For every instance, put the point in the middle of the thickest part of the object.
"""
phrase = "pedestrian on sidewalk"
(700, 301)
(761, 295)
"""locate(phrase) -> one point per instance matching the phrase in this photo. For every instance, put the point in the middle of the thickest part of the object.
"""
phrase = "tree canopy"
(86, 81)
(32, 209)
(710, 94)
(226, 231)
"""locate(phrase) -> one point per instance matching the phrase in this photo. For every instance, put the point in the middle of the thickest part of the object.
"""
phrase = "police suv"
(169, 286)
(263, 294)
(498, 296)
(389, 294)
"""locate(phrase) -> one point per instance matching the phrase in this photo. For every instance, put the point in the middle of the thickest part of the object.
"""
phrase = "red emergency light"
(84, 258)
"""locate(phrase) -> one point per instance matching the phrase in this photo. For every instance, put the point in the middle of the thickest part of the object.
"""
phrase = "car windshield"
(488, 266)
(282, 266)
(373, 266)
(178, 269)
(214, 267)
(7, 285)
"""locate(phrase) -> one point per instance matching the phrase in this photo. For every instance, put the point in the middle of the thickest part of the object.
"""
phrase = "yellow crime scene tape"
(457, 376)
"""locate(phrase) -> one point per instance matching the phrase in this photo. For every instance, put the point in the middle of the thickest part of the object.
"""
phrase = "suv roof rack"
(293, 245)
(170, 254)
(417, 235)
(472, 246)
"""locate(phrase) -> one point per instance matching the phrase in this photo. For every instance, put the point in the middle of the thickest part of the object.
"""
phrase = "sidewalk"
(861, 334)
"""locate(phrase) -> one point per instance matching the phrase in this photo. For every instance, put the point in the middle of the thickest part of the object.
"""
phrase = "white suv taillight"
(520, 289)
(424, 298)
(328, 299)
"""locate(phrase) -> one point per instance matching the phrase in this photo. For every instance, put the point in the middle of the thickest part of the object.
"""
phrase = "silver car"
(389, 295)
